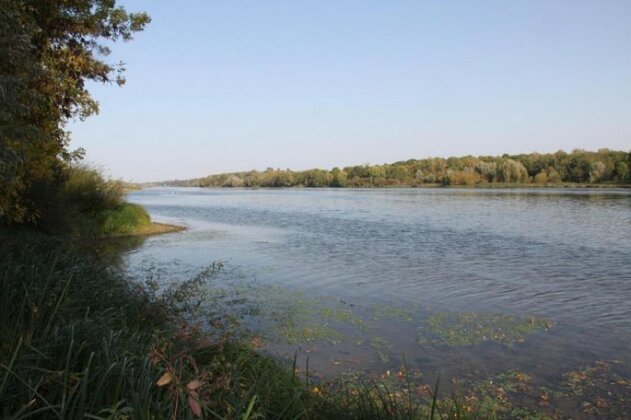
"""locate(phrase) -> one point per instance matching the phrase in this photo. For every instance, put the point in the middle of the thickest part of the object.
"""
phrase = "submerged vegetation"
(475, 328)
(603, 167)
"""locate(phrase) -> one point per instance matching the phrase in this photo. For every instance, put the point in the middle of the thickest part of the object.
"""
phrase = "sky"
(227, 85)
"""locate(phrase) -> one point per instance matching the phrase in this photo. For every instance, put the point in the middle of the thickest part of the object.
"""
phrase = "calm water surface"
(562, 255)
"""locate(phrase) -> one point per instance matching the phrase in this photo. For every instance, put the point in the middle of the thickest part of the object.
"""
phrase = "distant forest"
(581, 167)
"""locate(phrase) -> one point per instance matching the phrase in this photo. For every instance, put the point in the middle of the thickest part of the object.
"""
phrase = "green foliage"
(583, 167)
(124, 219)
(80, 202)
(622, 171)
(49, 50)
(87, 190)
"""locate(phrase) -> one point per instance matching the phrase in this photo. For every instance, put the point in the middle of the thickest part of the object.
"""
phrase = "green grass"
(73, 337)
(124, 219)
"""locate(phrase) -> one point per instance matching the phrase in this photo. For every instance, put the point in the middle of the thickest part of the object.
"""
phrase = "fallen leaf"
(165, 379)
(522, 377)
(195, 407)
(257, 342)
(194, 384)
(544, 400)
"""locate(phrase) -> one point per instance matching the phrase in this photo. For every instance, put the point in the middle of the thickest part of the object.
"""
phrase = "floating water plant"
(465, 329)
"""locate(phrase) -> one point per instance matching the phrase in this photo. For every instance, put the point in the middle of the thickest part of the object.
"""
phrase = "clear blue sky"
(216, 86)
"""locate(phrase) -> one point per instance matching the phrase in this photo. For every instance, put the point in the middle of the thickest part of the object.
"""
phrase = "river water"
(357, 278)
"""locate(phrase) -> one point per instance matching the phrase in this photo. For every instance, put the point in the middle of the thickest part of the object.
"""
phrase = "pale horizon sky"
(227, 86)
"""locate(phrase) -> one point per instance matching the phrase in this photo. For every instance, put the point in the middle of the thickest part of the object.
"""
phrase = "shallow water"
(334, 258)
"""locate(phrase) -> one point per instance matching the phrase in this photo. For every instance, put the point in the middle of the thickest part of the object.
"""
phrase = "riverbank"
(78, 339)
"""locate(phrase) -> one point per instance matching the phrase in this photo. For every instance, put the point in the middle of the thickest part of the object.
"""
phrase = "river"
(459, 283)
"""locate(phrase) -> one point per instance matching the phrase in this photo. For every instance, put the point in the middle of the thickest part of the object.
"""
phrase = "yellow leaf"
(165, 379)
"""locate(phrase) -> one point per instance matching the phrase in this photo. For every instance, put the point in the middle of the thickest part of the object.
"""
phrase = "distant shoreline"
(388, 187)
(579, 168)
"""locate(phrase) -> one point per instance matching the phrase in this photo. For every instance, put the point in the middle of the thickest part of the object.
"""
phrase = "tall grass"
(80, 201)
(74, 335)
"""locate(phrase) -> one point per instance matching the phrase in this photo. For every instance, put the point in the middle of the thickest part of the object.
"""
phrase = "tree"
(513, 171)
(597, 171)
(339, 178)
(622, 170)
(487, 169)
(232, 181)
(542, 177)
(49, 50)
(554, 176)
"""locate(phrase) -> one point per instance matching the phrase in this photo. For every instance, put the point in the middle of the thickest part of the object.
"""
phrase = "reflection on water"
(332, 256)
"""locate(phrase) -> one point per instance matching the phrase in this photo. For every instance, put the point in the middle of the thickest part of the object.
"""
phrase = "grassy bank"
(77, 339)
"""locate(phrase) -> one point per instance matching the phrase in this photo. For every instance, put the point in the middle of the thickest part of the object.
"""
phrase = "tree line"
(580, 166)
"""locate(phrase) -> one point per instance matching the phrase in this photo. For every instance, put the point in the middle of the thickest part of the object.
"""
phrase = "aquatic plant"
(465, 329)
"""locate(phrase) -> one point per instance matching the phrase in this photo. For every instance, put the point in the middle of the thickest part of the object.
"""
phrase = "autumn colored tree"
(49, 50)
